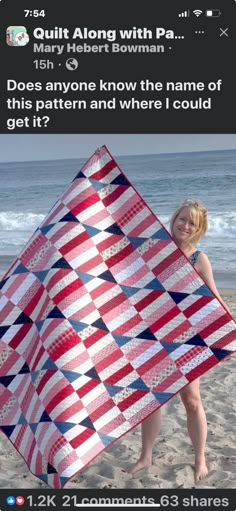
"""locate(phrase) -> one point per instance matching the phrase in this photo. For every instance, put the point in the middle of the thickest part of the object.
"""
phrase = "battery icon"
(213, 13)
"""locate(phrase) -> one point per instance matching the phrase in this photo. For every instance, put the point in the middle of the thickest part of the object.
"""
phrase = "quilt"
(103, 319)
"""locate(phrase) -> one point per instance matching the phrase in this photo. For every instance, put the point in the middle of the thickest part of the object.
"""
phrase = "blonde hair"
(199, 215)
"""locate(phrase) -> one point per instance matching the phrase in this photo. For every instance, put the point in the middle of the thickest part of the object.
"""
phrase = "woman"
(188, 225)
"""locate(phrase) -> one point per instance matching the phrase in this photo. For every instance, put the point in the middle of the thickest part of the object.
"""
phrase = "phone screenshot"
(117, 255)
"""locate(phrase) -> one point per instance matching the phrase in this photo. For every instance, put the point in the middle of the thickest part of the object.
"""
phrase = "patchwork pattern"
(102, 320)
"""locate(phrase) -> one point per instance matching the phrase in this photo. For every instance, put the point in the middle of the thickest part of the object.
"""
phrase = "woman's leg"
(150, 430)
(197, 426)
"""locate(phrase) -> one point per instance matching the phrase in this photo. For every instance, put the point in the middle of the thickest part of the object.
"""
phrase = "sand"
(173, 454)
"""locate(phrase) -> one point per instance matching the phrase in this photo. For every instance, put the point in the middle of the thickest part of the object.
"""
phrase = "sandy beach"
(173, 455)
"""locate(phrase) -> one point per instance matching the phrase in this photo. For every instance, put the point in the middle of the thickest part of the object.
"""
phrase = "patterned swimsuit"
(194, 256)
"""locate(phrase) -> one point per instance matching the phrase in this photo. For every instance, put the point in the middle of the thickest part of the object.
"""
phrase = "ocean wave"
(13, 221)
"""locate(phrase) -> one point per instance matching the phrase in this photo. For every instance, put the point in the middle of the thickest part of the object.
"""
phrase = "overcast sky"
(44, 147)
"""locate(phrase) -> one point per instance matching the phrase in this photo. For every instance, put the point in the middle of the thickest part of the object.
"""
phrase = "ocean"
(29, 189)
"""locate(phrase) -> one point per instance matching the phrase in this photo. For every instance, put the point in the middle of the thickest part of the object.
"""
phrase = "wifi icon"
(197, 12)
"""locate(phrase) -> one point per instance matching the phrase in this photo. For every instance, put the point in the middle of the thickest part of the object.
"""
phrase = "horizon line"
(121, 155)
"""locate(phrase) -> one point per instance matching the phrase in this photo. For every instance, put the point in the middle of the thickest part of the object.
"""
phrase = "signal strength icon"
(184, 14)
(197, 12)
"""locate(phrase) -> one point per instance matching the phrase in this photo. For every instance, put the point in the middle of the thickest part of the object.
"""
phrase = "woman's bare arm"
(203, 266)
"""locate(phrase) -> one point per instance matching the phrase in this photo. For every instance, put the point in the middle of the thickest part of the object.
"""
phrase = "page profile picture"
(17, 36)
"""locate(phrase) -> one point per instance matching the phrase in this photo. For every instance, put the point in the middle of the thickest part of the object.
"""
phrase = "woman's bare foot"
(201, 470)
(141, 463)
